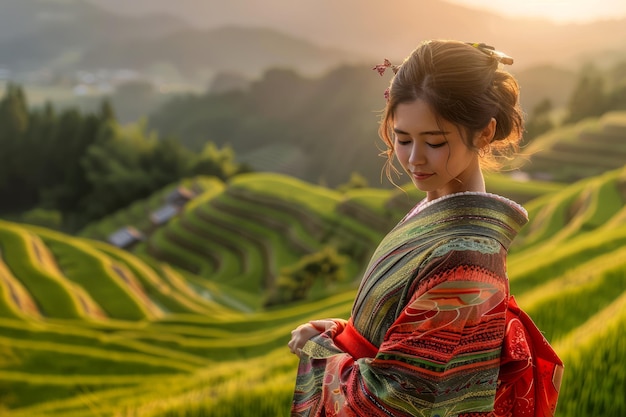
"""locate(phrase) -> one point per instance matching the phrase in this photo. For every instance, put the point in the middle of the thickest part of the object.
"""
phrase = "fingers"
(293, 347)
(321, 325)
(299, 336)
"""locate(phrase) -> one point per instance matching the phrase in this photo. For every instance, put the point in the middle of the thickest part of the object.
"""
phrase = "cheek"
(463, 154)
(403, 154)
(439, 157)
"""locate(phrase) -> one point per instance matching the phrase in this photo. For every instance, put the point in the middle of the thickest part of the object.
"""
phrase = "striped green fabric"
(429, 319)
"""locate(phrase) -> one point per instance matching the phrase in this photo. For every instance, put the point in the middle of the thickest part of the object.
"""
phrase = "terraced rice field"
(574, 152)
(176, 327)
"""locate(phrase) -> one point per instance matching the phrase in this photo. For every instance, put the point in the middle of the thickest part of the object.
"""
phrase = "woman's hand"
(301, 334)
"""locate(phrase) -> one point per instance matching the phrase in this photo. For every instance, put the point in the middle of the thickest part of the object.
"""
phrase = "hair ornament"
(491, 51)
(381, 68)
(386, 64)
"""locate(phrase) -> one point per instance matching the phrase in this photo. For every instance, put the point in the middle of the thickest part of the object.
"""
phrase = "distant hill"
(249, 36)
(317, 129)
(553, 82)
(87, 328)
(381, 30)
(573, 152)
(75, 51)
(248, 51)
(321, 129)
(45, 35)
(62, 37)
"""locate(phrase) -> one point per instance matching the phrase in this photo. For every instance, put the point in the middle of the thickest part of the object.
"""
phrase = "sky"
(561, 11)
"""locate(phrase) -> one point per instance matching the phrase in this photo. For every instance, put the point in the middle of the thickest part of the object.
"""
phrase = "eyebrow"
(426, 133)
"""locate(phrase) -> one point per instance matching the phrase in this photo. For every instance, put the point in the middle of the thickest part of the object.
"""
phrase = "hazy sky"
(555, 10)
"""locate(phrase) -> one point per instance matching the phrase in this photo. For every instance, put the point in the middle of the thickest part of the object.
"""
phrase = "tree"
(168, 161)
(213, 161)
(14, 124)
(107, 113)
(14, 113)
(356, 181)
(295, 282)
(540, 120)
(82, 167)
(588, 99)
(115, 167)
(616, 99)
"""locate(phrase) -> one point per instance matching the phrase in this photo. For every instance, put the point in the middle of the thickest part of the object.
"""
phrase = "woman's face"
(433, 152)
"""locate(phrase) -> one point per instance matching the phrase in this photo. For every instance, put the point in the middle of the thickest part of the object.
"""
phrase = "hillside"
(74, 53)
(573, 152)
(259, 223)
(52, 41)
(317, 129)
(50, 35)
(89, 329)
(210, 51)
(373, 31)
(242, 234)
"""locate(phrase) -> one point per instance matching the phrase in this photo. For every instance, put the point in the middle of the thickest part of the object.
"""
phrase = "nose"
(417, 155)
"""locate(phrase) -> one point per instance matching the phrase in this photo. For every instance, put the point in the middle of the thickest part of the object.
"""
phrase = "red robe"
(433, 330)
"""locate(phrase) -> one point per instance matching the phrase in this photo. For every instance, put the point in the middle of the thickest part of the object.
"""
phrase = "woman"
(433, 329)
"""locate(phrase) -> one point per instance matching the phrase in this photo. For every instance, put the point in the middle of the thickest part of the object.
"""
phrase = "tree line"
(596, 92)
(326, 126)
(79, 167)
(333, 119)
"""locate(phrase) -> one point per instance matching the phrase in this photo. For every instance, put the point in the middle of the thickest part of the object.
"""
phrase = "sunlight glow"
(562, 11)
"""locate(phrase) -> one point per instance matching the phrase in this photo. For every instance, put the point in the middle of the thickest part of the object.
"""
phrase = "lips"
(421, 176)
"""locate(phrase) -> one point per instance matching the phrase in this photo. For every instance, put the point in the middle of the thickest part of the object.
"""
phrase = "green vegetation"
(66, 169)
(63, 169)
(90, 329)
(192, 319)
(313, 130)
(580, 150)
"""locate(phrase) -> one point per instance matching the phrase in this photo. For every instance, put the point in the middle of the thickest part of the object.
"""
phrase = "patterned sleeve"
(439, 358)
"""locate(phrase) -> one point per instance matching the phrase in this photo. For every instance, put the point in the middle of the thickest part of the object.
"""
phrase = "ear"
(485, 136)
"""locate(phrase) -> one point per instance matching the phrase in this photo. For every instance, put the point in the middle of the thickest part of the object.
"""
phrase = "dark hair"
(463, 85)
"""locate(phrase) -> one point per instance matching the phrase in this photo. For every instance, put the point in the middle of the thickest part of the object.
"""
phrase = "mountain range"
(248, 36)
(391, 29)
(62, 37)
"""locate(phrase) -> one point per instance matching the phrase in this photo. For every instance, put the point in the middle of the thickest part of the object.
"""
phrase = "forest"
(67, 168)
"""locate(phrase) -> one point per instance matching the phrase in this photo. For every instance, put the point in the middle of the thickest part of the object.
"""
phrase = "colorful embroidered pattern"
(428, 322)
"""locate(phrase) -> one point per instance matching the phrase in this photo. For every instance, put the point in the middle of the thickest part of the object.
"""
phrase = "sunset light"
(291, 207)
(562, 11)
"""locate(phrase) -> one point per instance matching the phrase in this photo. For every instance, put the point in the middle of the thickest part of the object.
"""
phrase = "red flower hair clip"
(381, 68)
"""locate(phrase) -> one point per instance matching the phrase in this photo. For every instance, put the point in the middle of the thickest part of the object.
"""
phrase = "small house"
(125, 237)
(163, 214)
(179, 196)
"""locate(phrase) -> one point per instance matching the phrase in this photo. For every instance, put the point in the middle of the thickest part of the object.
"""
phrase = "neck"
(471, 180)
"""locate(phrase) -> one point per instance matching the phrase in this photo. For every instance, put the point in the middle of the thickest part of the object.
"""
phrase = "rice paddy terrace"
(175, 326)
(585, 149)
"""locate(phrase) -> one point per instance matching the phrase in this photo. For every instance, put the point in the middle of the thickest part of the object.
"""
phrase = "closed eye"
(436, 145)
(403, 138)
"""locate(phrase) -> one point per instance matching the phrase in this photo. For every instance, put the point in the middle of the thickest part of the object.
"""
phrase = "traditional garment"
(428, 324)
